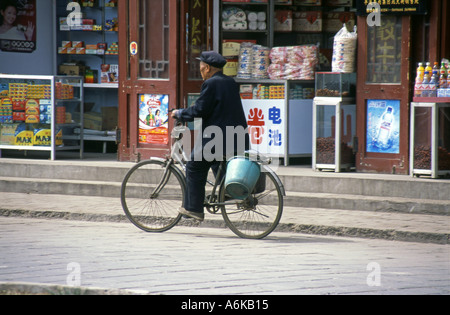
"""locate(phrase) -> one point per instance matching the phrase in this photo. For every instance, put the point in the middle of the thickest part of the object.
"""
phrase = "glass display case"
(334, 130)
(430, 139)
(40, 113)
(335, 84)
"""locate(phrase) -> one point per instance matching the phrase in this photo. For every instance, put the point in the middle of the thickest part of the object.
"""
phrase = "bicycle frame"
(178, 156)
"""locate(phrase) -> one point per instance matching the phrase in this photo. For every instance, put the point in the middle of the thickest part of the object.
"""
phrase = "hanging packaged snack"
(344, 51)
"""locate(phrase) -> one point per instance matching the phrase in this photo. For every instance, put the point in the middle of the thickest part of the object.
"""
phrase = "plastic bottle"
(428, 68)
(384, 131)
(435, 69)
(420, 73)
(427, 74)
(443, 77)
(432, 87)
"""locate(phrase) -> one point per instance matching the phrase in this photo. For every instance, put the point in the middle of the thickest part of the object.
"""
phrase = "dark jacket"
(219, 105)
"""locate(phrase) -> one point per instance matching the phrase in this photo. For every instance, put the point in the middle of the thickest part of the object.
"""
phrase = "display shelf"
(274, 124)
(334, 128)
(100, 89)
(101, 85)
(262, 36)
(430, 139)
(37, 110)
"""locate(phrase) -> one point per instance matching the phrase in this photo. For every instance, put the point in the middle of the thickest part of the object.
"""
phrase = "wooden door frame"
(186, 85)
(130, 85)
(383, 162)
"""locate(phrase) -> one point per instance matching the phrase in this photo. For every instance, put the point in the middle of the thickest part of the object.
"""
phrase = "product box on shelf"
(308, 21)
(232, 47)
(72, 69)
(110, 73)
(88, 3)
(22, 136)
(8, 133)
(4, 90)
(333, 21)
(110, 3)
(283, 21)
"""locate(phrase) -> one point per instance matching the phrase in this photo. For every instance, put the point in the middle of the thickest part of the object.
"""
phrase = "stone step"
(293, 199)
(295, 179)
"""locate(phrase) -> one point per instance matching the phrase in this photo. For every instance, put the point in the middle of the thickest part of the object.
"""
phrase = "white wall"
(41, 61)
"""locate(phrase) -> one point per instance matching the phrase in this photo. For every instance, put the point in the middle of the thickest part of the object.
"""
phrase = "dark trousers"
(196, 176)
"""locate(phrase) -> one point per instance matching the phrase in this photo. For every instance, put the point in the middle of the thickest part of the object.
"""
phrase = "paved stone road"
(214, 261)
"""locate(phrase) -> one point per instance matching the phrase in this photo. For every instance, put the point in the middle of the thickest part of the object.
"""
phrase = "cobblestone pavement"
(187, 260)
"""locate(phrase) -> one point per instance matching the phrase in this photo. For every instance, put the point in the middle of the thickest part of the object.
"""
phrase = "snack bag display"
(344, 51)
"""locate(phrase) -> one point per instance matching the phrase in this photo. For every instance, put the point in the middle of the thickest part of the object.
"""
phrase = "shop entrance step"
(304, 187)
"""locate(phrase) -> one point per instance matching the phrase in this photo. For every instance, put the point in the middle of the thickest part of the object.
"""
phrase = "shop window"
(384, 50)
(154, 39)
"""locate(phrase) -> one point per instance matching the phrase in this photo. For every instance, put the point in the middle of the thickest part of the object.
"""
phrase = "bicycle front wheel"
(151, 195)
(258, 215)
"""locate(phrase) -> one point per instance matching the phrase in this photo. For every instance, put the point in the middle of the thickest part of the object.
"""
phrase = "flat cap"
(213, 59)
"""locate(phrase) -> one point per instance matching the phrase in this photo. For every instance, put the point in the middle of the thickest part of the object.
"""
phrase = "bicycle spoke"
(151, 198)
(257, 216)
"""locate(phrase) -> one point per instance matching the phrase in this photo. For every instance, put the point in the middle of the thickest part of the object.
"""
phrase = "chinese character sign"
(266, 125)
(153, 118)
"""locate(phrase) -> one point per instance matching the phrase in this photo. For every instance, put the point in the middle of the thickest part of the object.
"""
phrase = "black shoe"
(191, 214)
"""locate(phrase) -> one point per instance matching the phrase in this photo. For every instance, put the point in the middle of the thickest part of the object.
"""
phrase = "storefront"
(388, 55)
(144, 64)
(278, 105)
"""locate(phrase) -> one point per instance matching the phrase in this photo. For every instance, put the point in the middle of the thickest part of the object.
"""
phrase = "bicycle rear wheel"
(151, 195)
(258, 215)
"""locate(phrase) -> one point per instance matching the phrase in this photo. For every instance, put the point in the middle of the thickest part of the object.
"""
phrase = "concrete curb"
(23, 288)
(344, 231)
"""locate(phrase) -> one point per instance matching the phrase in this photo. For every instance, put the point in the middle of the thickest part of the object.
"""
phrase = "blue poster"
(383, 126)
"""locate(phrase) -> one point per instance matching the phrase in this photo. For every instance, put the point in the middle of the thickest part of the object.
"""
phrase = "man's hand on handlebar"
(174, 113)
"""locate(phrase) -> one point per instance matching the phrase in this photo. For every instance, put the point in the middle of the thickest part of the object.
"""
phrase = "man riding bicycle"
(219, 106)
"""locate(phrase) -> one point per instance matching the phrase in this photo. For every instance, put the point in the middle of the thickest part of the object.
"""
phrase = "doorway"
(383, 95)
(159, 42)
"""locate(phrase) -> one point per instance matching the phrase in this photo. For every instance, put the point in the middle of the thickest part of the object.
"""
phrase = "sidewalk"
(350, 223)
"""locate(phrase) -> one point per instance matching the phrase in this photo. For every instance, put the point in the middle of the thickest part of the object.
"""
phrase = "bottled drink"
(384, 131)
(432, 86)
(442, 82)
(428, 68)
(427, 74)
(435, 69)
(443, 77)
(420, 73)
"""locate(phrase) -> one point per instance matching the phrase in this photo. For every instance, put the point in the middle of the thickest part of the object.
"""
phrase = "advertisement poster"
(153, 118)
(18, 25)
(383, 126)
(266, 125)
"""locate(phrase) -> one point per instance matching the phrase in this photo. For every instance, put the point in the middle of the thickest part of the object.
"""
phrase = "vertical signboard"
(266, 125)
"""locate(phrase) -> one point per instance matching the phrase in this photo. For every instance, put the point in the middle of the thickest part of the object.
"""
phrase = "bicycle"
(153, 190)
